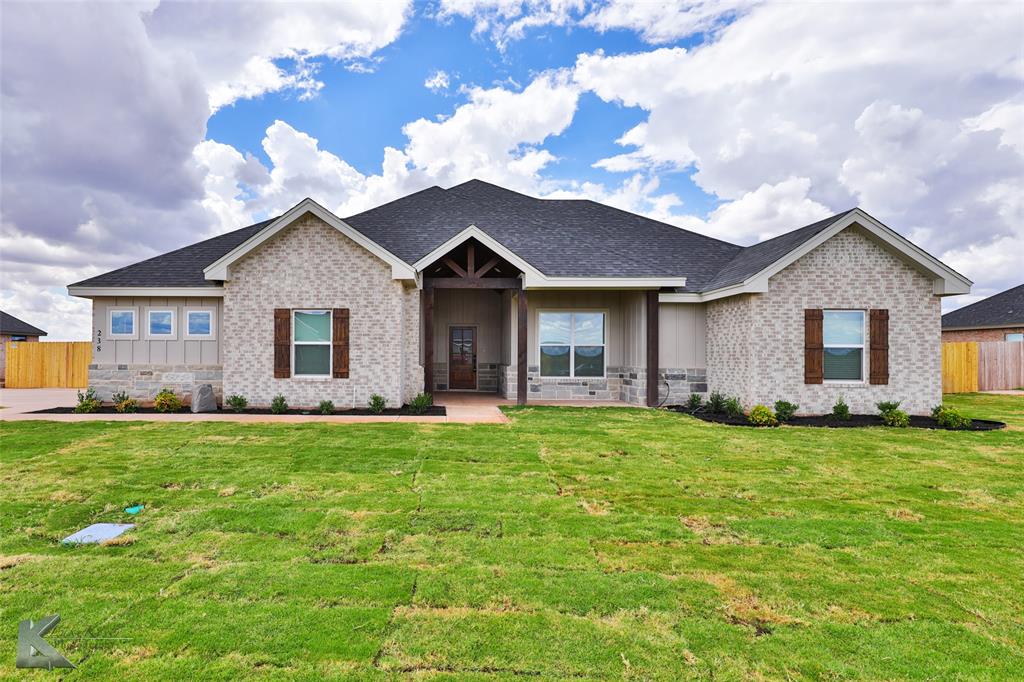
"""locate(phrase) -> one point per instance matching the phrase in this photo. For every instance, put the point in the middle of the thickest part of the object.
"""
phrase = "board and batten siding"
(143, 351)
(682, 335)
(478, 308)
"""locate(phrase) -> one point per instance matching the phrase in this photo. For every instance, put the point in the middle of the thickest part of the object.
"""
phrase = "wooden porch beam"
(471, 283)
(428, 341)
(471, 259)
(455, 267)
(487, 266)
(652, 348)
(521, 348)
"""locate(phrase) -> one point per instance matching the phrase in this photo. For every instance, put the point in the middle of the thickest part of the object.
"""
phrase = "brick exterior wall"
(312, 265)
(756, 344)
(979, 334)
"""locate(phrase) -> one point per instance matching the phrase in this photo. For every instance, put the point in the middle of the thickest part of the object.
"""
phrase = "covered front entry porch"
(484, 333)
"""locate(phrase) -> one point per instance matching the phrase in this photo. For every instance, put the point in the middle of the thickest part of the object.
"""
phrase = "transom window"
(843, 332)
(311, 343)
(122, 323)
(572, 344)
(1014, 336)
(161, 323)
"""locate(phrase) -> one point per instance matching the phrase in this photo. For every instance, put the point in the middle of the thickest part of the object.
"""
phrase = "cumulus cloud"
(663, 22)
(437, 81)
(504, 21)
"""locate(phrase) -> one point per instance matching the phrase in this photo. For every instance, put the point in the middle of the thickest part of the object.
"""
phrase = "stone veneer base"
(143, 382)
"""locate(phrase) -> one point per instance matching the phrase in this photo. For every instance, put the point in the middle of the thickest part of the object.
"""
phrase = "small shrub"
(377, 403)
(693, 403)
(326, 407)
(236, 402)
(887, 406)
(761, 415)
(841, 410)
(716, 403)
(119, 397)
(127, 405)
(166, 401)
(896, 417)
(87, 402)
(733, 408)
(784, 410)
(278, 405)
(421, 403)
(950, 418)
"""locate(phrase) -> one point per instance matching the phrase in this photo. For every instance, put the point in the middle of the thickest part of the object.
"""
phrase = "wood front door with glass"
(462, 359)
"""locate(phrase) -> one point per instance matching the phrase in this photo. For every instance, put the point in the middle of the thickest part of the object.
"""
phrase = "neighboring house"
(996, 318)
(480, 288)
(13, 329)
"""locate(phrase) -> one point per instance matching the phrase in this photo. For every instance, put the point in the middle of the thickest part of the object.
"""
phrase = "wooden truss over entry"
(472, 265)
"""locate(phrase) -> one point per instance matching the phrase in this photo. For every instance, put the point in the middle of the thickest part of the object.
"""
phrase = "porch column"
(428, 339)
(521, 349)
(652, 348)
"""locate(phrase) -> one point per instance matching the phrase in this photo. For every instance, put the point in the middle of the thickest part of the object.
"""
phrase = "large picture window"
(311, 343)
(572, 344)
(843, 333)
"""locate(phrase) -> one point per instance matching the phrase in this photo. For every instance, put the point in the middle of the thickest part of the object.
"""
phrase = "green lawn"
(575, 543)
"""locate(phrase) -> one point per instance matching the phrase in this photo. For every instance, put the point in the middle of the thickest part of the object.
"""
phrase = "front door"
(462, 358)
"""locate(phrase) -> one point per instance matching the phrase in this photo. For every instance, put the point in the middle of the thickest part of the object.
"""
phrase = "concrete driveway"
(17, 401)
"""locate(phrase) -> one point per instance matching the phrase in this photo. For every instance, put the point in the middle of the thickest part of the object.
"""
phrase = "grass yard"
(572, 543)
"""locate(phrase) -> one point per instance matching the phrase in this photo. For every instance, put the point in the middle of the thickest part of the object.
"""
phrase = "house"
(13, 329)
(996, 318)
(479, 288)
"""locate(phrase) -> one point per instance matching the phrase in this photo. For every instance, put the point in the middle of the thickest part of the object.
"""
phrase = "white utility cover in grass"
(97, 532)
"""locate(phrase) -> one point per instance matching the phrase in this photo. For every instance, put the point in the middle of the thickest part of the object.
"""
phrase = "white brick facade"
(312, 265)
(756, 341)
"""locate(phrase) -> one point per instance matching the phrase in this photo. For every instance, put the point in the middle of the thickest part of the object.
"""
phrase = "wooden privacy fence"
(986, 366)
(48, 364)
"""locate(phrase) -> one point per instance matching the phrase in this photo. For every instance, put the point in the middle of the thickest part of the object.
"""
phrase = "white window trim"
(110, 323)
(572, 340)
(862, 346)
(1009, 340)
(329, 343)
(213, 325)
(173, 336)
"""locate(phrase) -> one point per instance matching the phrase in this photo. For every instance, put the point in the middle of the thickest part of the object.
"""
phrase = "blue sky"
(149, 127)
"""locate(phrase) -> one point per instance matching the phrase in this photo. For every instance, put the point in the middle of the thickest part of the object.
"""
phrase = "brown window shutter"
(340, 343)
(879, 332)
(282, 343)
(814, 346)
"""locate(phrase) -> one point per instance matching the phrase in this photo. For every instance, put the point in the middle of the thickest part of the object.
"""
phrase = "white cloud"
(1006, 117)
(244, 52)
(504, 21)
(663, 22)
(437, 81)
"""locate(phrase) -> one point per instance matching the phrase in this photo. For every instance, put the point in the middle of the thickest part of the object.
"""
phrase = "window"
(1014, 336)
(311, 343)
(19, 338)
(160, 324)
(199, 324)
(572, 344)
(843, 333)
(122, 323)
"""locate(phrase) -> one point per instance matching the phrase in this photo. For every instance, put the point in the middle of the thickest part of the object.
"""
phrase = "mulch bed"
(433, 411)
(855, 421)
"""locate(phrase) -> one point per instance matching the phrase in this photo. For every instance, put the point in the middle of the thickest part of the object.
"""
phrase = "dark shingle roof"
(559, 237)
(1002, 310)
(9, 324)
(181, 268)
(754, 259)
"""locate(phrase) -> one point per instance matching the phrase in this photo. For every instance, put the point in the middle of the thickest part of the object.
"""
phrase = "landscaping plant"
(87, 401)
(377, 403)
(950, 418)
(278, 405)
(784, 410)
(733, 407)
(693, 403)
(892, 415)
(761, 415)
(841, 410)
(236, 402)
(166, 401)
(124, 404)
(716, 403)
(326, 407)
(421, 403)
